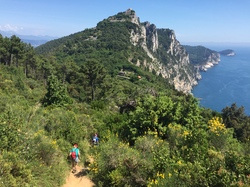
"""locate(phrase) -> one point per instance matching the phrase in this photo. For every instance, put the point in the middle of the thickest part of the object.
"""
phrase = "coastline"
(226, 83)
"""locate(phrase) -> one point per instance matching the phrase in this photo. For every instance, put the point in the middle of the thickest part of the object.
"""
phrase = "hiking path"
(78, 179)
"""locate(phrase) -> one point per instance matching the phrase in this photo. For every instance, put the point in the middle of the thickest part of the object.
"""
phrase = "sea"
(227, 82)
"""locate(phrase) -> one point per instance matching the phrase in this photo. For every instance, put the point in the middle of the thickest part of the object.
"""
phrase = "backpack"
(74, 153)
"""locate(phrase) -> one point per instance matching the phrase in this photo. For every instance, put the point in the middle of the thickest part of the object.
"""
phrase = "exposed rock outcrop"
(202, 58)
(176, 68)
(212, 60)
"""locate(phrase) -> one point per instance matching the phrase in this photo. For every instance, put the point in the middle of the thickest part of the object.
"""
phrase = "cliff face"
(202, 58)
(212, 60)
(168, 57)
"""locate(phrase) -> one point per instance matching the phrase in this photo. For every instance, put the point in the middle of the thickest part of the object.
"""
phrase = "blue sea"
(226, 83)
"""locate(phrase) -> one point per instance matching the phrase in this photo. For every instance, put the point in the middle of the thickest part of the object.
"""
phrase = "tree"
(29, 59)
(56, 93)
(94, 73)
(234, 117)
(4, 50)
(15, 49)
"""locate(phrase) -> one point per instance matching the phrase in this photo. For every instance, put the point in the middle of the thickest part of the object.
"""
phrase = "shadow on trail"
(82, 173)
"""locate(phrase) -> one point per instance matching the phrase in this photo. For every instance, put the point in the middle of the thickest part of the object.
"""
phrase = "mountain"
(201, 57)
(121, 42)
(36, 40)
(34, 43)
(33, 40)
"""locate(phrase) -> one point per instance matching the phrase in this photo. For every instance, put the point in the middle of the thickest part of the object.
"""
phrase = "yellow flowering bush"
(218, 133)
(216, 126)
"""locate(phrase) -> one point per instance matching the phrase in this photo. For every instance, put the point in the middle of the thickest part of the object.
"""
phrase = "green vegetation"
(150, 134)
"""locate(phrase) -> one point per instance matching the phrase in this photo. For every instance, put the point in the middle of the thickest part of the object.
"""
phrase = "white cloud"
(9, 27)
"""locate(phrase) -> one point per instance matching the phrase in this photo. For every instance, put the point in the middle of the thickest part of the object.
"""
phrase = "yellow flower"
(216, 126)
(179, 162)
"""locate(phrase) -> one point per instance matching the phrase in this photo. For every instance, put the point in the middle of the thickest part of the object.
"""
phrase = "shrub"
(116, 164)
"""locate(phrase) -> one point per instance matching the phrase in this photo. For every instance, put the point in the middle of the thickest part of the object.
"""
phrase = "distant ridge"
(31, 39)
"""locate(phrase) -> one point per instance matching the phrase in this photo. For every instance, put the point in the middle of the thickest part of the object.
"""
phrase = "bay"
(226, 83)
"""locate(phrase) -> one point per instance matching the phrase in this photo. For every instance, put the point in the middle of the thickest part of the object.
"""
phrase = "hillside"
(123, 42)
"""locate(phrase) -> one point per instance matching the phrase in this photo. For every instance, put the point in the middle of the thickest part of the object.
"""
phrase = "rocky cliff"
(202, 58)
(212, 60)
(168, 57)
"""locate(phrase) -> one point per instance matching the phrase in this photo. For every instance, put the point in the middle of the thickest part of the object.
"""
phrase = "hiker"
(95, 139)
(74, 155)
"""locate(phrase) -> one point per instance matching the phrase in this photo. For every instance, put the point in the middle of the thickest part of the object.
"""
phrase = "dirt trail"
(78, 179)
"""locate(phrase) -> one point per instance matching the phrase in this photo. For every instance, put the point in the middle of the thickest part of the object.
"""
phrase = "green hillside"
(150, 134)
(198, 54)
(108, 43)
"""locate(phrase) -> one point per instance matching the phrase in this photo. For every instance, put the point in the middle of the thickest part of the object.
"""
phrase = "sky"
(221, 21)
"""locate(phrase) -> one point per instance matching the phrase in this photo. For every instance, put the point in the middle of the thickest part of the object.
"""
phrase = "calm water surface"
(226, 83)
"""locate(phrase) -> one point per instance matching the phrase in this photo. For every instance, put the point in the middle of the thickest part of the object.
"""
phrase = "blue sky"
(192, 20)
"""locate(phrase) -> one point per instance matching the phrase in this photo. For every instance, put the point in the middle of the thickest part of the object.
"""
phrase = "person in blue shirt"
(95, 139)
(75, 156)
